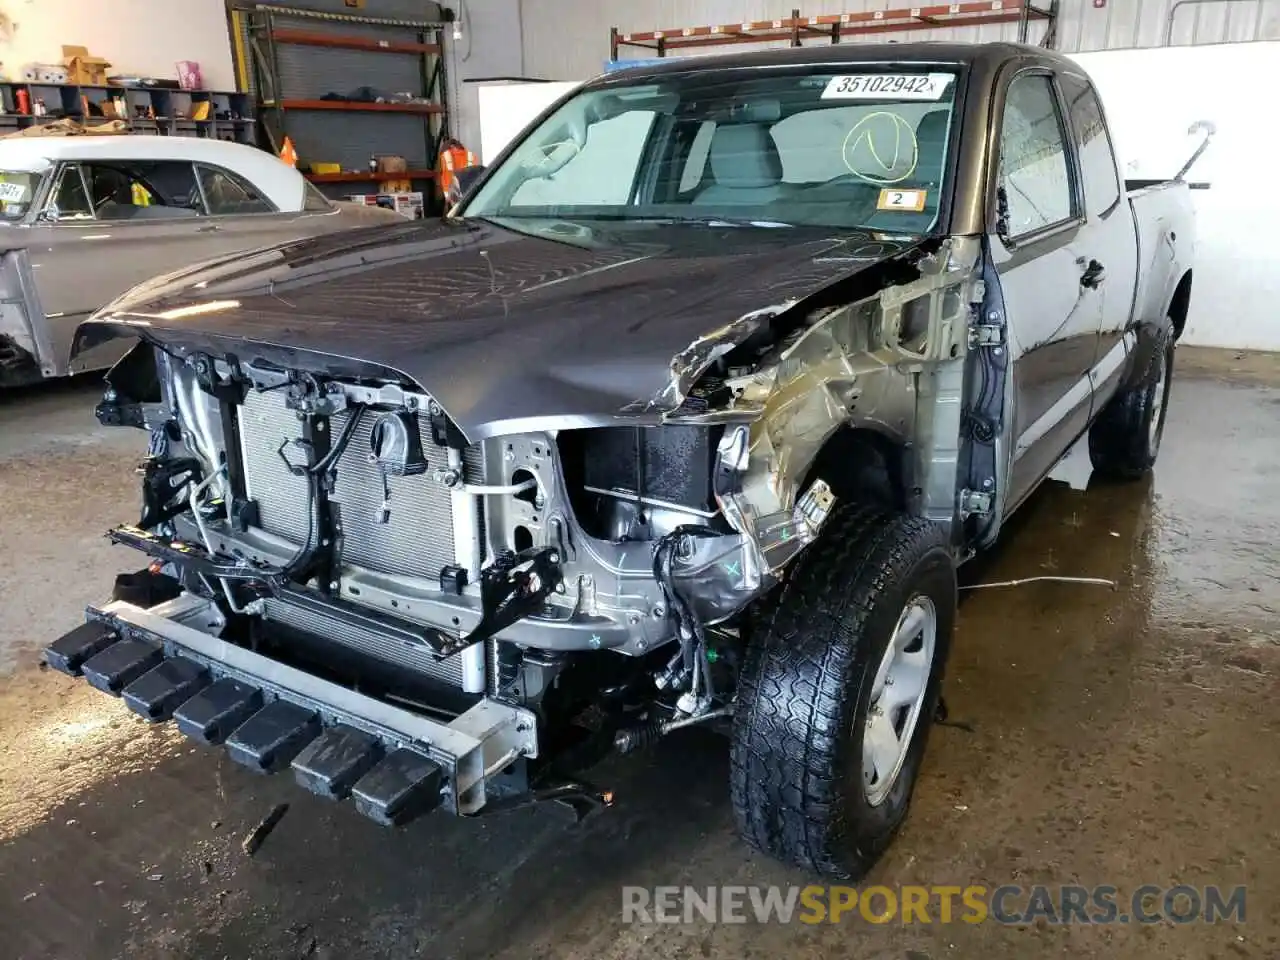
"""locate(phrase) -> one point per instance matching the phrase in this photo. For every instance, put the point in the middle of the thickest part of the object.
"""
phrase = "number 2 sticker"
(909, 200)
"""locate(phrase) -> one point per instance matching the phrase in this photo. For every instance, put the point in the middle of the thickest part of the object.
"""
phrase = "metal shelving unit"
(301, 62)
(834, 27)
(150, 109)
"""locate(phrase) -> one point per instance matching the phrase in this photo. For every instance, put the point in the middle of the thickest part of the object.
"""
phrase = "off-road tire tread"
(785, 784)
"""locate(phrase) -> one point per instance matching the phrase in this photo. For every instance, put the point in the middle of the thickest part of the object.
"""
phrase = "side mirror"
(463, 181)
(49, 214)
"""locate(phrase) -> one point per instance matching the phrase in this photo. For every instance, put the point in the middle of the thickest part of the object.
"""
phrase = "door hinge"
(986, 335)
(975, 503)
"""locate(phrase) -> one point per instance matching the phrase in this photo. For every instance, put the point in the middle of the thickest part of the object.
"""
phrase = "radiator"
(464, 670)
(418, 538)
(416, 541)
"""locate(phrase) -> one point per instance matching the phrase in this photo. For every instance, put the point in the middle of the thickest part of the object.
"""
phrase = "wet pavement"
(1102, 736)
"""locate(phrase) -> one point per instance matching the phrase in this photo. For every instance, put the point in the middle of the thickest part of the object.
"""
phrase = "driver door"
(1040, 254)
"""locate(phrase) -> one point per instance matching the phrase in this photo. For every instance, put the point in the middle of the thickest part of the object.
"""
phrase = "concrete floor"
(1122, 736)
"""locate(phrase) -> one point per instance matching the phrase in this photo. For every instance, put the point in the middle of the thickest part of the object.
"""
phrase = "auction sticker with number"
(13, 192)
(911, 200)
(888, 86)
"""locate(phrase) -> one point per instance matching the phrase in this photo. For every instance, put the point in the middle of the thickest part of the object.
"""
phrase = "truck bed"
(1165, 221)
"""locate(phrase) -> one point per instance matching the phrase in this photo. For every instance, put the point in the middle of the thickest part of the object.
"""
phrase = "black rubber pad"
(156, 694)
(68, 653)
(403, 786)
(330, 766)
(269, 740)
(120, 664)
(211, 715)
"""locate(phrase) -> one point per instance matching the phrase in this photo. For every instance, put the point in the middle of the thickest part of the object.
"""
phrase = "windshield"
(17, 190)
(856, 147)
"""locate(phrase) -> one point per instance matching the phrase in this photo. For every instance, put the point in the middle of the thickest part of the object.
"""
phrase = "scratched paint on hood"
(552, 320)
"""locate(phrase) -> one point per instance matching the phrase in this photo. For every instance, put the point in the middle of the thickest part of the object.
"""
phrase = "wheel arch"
(864, 463)
(1180, 304)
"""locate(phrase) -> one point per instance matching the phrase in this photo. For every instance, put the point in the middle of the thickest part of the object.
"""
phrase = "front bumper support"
(395, 762)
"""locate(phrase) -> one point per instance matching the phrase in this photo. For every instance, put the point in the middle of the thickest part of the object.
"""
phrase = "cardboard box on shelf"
(83, 67)
(408, 204)
(390, 163)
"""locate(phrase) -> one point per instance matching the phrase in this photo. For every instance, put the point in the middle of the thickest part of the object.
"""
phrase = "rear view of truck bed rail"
(165, 664)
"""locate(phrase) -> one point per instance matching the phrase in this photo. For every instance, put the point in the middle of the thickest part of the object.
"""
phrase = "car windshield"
(863, 146)
(17, 190)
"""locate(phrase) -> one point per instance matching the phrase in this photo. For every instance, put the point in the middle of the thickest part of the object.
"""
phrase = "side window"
(601, 172)
(313, 201)
(1097, 159)
(71, 200)
(145, 190)
(695, 164)
(227, 194)
(111, 192)
(1034, 171)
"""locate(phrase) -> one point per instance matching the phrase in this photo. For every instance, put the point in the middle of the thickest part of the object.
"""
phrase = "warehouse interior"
(577, 544)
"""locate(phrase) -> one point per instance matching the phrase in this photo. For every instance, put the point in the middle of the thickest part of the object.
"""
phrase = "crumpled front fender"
(26, 339)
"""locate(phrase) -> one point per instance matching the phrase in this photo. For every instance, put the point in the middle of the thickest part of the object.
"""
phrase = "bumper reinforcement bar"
(339, 743)
(511, 588)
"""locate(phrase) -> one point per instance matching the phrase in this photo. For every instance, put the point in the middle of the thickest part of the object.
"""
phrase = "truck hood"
(512, 325)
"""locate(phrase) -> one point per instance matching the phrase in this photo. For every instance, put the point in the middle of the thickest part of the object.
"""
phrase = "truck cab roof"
(925, 52)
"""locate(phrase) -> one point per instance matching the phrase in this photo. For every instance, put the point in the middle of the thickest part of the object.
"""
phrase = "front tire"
(838, 689)
(1125, 439)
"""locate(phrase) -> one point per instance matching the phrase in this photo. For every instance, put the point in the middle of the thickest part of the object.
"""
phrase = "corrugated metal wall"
(348, 138)
(310, 72)
(569, 39)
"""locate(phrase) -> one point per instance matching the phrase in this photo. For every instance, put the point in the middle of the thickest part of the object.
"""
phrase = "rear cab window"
(1098, 171)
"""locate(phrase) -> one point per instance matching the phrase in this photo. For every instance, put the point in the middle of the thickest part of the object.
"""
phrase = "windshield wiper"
(704, 221)
(710, 221)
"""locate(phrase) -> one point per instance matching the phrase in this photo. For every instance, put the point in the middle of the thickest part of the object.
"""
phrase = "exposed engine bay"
(348, 525)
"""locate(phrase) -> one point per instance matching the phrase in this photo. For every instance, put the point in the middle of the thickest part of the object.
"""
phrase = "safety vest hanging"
(453, 159)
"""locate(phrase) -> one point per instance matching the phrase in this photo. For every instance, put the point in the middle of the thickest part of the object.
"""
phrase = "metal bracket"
(986, 335)
(315, 404)
(229, 391)
(114, 413)
(511, 588)
(188, 556)
(164, 484)
(975, 503)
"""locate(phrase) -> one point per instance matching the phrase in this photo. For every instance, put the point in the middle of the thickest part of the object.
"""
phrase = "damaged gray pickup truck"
(686, 415)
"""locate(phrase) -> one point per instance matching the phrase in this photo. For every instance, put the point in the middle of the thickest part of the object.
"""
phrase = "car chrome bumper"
(166, 664)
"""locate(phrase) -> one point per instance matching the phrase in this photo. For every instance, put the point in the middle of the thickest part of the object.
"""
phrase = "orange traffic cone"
(288, 154)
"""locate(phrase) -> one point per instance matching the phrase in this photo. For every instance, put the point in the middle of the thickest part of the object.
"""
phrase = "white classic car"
(84, 219)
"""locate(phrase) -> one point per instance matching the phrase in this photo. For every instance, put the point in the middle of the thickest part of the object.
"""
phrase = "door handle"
(1093, 274)
(210, 228)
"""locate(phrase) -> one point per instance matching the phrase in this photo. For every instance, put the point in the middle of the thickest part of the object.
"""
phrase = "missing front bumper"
(396, 764)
